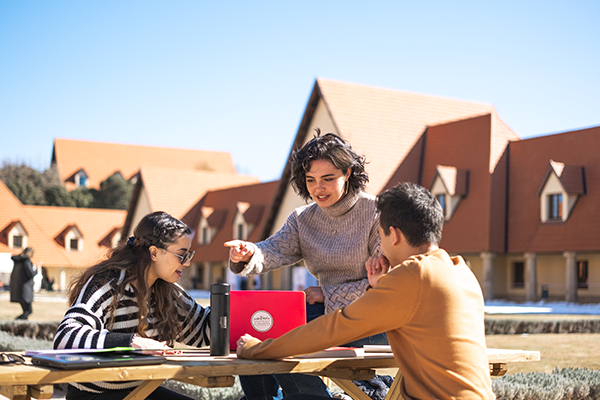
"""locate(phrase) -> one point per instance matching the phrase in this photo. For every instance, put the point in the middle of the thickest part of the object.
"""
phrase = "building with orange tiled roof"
(525, 217)
(221, 215)
(382, 124)
(175, 191)
(86, 163)
(65, 239)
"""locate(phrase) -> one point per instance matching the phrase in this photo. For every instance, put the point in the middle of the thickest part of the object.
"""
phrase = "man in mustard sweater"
(430, 305)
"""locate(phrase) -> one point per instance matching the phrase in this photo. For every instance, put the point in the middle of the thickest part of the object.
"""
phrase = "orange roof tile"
(529, 161)
(225, 202)
(94, 225)
(385, 124)
(100, 160)
(176, 190)
(46, 249)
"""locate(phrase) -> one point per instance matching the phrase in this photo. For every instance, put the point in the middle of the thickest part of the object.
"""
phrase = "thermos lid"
(220, 288)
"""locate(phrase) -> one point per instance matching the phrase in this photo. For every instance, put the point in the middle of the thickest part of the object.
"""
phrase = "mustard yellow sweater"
(431, 307)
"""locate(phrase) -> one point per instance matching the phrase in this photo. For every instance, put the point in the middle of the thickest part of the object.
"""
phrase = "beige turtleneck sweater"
(334, 243)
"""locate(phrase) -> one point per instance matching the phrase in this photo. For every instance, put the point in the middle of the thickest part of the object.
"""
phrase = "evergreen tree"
(114, 193)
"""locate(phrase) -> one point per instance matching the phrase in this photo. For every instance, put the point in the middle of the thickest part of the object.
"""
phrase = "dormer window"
(559, 190)
(70, 238)
(14, 235)
(246, 219)
(555, 206)
(17, 242)
(441, 198)
(211, 221)
(449, 187)
(81, 178)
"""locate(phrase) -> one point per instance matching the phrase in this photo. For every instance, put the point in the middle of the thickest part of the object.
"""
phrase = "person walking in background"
(334, 236)
(132, 299)
(21, 282)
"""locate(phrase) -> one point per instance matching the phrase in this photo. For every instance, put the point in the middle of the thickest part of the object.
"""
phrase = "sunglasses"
(10, 358)
(184, 258)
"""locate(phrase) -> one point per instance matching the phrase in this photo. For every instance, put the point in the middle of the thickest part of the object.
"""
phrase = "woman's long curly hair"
(157, 229)
(329, 147)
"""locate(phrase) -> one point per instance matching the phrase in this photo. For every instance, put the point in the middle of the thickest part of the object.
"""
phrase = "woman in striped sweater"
(132, 299)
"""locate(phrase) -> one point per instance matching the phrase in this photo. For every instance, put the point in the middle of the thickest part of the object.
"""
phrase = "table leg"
(351, 389)
(41, 391)
(394, 392)
(498, 369)
(15, 392)
(144, 390)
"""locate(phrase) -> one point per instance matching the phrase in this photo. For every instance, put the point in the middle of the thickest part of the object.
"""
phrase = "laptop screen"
(265, 314)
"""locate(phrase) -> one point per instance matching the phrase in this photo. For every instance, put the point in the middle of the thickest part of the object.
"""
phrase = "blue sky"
(235, 76)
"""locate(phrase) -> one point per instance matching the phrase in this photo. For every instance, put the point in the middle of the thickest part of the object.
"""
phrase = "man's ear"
(396, 235)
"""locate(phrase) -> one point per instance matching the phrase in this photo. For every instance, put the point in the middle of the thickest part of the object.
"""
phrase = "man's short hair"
(414, 210)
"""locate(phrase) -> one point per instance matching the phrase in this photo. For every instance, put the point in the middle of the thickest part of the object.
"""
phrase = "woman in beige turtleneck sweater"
(334, 236)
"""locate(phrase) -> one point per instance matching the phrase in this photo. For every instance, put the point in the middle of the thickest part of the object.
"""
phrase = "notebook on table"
(70, 361)
(265, 314)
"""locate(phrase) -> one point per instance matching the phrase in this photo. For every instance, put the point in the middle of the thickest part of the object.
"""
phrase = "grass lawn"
(571, 350)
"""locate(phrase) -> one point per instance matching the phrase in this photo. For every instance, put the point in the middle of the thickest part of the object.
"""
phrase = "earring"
(346, 187)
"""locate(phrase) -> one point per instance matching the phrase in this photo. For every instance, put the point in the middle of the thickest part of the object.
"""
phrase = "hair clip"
(131, 240)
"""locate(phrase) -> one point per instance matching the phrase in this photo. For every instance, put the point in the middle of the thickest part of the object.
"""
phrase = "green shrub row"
(515, 327)
(563, 384)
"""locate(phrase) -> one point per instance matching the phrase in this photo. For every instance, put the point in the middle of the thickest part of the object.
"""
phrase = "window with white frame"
(17, 241)
(74, 240)
(555, 206)
(449, 187)
(81, 179)
(17, 236)
(559, 190)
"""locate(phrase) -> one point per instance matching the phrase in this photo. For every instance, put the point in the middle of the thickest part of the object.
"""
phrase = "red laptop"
(265, 314)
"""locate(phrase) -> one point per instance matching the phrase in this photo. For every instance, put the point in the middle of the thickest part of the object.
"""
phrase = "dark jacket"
(21, 280)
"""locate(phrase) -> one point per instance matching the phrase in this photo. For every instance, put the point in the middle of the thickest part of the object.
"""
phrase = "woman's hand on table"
(240, 251)
(153, 346)
(314, 294)
(241, 342)
(376, 266)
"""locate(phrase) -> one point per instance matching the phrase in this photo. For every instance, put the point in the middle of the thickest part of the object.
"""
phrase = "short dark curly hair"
(329, 147)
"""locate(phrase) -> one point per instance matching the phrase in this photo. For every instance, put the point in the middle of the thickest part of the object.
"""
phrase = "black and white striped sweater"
(84, 324)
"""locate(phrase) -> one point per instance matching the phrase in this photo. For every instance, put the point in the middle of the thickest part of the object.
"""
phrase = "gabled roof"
(529, 161)
(258, 196)
(382, 124)
(216, 219)
(473, 145)
(100, 160)
(45, 247)
(571, 177)
(175, 191)
(94, 225)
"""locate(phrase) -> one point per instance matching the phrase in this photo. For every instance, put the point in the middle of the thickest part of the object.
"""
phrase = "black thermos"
(219, 319)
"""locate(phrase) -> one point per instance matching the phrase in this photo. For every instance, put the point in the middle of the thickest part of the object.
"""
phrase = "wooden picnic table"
(26, 381)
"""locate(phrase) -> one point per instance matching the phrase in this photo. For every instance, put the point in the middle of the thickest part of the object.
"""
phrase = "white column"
(62, 280)
(531, 277)
(571, 276)
(207, 276)
(488, 275)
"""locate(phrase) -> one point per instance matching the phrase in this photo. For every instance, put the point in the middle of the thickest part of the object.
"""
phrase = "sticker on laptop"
(262, 321)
